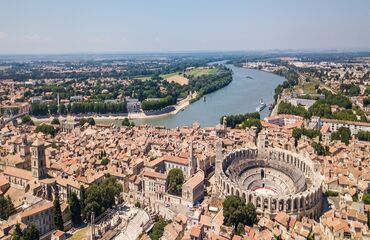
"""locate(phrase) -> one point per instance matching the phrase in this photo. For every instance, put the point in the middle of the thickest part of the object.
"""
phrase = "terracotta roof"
(173, 159)
(195, 180)
(18, 172)
(37, 209)
(3, 180)
(154, 175)
(195, 231)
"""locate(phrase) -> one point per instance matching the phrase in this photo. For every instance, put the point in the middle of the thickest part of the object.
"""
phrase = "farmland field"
(197, 72)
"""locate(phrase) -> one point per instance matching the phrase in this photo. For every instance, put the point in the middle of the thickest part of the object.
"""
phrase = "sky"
(92, 26)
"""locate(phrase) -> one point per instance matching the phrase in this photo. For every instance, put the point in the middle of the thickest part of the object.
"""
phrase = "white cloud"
(32, 37)
(3, 35)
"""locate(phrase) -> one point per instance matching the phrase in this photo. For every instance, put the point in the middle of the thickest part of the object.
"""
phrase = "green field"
(197, 72)
(164, 76)
(143, 78)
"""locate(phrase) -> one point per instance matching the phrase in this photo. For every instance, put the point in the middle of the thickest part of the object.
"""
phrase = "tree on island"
(175, 179)
(75, 209)
(57, 213)
(236, 212)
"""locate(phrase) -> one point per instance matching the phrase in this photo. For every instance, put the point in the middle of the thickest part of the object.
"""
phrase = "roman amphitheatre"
(272, 179)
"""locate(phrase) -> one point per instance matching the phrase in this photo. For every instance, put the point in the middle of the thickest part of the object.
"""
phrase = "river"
(240, 96)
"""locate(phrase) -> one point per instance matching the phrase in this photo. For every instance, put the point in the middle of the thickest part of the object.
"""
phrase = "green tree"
(27, 120)
(240, 229)
(126, 122)
(82, 201)
(320, 149)
(6, 207)
(31, 233)
(157, 231)
(90, 121)
(287, 108)
(17, 233)
(101, 196)
(75, 209)
(46, 129)
(236, 211)
(343, 134)
(363, 136)
(104, 161)
(366, 198)
(175, 179)
(53, 109)
(57, 214)
(137, 204)
(55, 121)
(62, 109)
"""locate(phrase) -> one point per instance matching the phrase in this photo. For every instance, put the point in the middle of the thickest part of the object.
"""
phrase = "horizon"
(93, 27)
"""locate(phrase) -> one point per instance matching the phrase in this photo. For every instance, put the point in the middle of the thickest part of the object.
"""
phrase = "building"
(154, 186)
(14, 109)
(273, 179)
(334, 125)
(284, 121)
(38, 161)
(39, 215)
(193, 189)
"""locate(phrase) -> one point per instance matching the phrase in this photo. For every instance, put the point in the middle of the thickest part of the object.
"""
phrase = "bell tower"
(192, 160)
(38, 160)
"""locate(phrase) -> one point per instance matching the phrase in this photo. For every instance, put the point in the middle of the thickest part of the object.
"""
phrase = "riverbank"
(240, 96)
(111, 118)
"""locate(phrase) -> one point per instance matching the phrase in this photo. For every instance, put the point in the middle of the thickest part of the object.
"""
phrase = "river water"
(240, 96)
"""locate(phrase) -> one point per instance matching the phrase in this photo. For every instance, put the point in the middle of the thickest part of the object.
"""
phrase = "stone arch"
(244, 197)
(281, 205)
(274, 204)
(227, 188)
(265, 203)
(307, 202)
(258, 202)
(250, 198)
(288, 204)
(232, 190)
(301, 203)
(295, 204)
(237, 192)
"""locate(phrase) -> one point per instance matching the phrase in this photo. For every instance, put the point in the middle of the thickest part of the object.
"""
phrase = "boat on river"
(261, 106)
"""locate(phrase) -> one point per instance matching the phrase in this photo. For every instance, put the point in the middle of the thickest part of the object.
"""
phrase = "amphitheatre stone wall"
(272, 179)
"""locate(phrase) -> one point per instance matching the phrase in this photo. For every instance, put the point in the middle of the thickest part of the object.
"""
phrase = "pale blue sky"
(70, 26)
